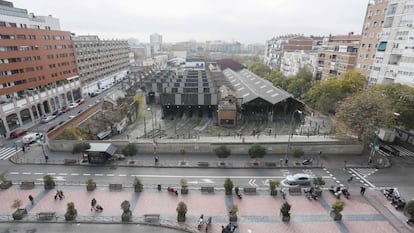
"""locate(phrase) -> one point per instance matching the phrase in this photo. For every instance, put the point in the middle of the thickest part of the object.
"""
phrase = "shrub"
(80, 147)
(337, 207)
(285, 209)
(257, 151)
(298, 153)
(222, 152)
(228, 186)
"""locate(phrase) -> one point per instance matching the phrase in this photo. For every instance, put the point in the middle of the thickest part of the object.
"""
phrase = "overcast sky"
(247, 21)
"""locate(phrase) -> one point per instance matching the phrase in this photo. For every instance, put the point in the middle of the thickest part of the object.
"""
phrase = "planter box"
(184, 190)
(138, 189)
(286, 218)
(233, 218)
(273, 193)
(70, 217)
(181, 218)
(126, 216)
(6, 184)
(336, 217)
(90, 187)
(50, 186)
(19, 214)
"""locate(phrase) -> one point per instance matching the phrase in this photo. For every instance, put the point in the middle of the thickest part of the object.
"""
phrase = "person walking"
(362, 191)
(61, 196)
(31, 199)
(93, 204)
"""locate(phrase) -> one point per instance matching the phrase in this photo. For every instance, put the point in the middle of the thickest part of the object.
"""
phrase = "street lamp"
(290, 131)
(152, 119)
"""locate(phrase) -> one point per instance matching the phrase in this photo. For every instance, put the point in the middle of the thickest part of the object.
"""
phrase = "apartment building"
(292, 62)
(394, 56)
(37, 67)
(275, 47)
(100, 62)
(156, 43)
(373, 23)
(337, 55)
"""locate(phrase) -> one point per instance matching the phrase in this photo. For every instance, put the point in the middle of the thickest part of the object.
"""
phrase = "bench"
(270, 164)
(27, 185)
(151, 217)
(203, 164)
(249, 190)
(69, 161)
(115, 187)
(45, 215)
(295, 190)
(207, 189)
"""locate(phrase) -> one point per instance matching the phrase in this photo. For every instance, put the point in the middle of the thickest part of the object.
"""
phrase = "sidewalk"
(257, 213)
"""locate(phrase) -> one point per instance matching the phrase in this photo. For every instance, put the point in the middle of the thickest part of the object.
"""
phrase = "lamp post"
(290, 131)
(152, 119)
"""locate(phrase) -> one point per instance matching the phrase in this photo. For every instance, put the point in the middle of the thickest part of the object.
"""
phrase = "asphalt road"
(80, 228)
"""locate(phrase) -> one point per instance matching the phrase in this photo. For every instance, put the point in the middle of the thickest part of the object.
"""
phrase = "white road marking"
(110, 175)
(74, 174)
(123, 175)
(26, 173)
(86, 174)
(63, 174)
(51, 173)
(14, 173)
(38, 173)
(98, 174)
(367, 183)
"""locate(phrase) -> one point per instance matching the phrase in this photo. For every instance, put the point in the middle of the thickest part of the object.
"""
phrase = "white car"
(47, 119)
(298, 179)
(31, 137)
(73, 105)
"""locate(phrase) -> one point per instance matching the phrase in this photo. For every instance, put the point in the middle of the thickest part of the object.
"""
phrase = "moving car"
(298, 179)
(17, 133)
(73, 105)
(47, 119)
(52, 128)
(80, 101)
(307, 162)
(31, 137)
(57, 113)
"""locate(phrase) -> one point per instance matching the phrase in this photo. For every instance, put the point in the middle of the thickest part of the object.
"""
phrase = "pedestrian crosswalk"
(403, 151)
(7, 152)
(364, 172)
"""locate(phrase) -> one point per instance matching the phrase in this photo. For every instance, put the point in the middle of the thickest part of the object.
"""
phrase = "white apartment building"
(292, 62)
(100, 62)
(156, 43)
(394, 57)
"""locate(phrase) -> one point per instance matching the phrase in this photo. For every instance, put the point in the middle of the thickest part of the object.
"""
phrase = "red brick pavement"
(297, 227)
(371, 226)
(8, 196)
(355, 205)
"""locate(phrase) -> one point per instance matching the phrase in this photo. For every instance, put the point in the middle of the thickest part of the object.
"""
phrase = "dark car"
(52, 128)
(307, 162)
(17, 133)
(57, 113)
(65, 109)
(61, 122)
(389, 150)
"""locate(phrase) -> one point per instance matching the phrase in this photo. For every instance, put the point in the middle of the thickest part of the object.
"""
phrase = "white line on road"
(74, 174)
(217, 177)
(51, 173)
(38, 173)
(362, 178)
(63, 174)
(122, 175)
(98, 174)
(14, 173)
(26, 173)
(110, 175)
(86, 174)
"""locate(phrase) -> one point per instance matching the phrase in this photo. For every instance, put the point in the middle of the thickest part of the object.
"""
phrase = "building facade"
(100, 62)
(373, 23)
(156, 43)
(394, 58)
(37, 67)
(275, 47)
(292, 62)
(337, 55)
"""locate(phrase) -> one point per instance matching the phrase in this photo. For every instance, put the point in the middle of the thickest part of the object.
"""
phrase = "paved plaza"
(257, 213)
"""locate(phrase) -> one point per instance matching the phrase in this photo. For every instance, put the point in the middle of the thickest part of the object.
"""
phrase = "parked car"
(57, 113)
(65, 109)
(47, 119)
(389, 150)
(298, 179)
(73, 105)
(52, 128)
(17, 133)
(61, 122)
(80, 101)
(307, 162)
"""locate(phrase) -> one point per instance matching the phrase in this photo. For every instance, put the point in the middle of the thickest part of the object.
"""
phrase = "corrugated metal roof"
(250, 86)
(102, 147)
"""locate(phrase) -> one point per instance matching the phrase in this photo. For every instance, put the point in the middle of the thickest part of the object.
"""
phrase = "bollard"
(159, 187)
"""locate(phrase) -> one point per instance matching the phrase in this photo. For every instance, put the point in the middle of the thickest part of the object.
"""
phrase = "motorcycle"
(345, 193)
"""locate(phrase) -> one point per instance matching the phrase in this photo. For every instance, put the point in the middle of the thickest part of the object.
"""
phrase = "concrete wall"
(191, 147)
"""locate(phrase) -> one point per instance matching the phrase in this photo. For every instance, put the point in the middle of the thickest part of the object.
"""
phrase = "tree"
(409, 210)
(130, 150)
(222, 152)
(228, 186)
(181, 211)
(365, 112)
(73, 133)
(402, 98)
(80, 147)
(260, 69)
(300, 83)
(257, 151)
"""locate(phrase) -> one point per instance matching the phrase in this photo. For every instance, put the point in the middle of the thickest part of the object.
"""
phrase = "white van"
(31, 137)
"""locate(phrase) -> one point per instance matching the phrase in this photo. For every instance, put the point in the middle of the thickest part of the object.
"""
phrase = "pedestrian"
(93, 203)
(61, 194)
(31, 199)
(350, 179)
(362, 191)
(156, 159)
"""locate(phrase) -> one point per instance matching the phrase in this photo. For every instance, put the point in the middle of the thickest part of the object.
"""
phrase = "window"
(21, 37)
(382, 46)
